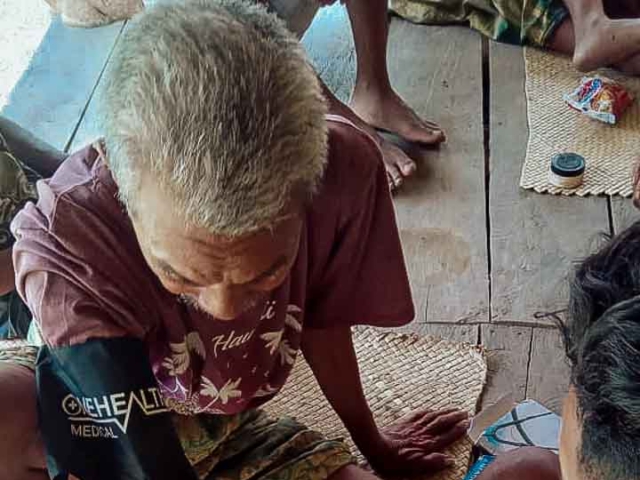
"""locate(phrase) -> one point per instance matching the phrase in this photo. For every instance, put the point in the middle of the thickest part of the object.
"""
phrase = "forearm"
(332, 358)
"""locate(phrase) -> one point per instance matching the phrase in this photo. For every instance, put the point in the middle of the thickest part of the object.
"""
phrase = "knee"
(527, 463)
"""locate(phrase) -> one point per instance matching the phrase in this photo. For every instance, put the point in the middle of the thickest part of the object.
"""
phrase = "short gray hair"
(217, 101)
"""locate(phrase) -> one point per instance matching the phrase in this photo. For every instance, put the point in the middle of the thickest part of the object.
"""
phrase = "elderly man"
(600, 437)
(176, 270)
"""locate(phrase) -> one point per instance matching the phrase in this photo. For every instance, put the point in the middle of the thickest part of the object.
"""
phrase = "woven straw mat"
(18, 352)
(610, 151)
(400, 374)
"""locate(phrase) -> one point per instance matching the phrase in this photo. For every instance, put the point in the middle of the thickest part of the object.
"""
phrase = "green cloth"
(520, 22)
(17, 187)
(254, 446)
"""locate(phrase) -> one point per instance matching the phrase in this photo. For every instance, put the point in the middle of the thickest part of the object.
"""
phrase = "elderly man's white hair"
(215, 100)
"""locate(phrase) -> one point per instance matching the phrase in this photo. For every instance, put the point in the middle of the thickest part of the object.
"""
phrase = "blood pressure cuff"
(103, 417)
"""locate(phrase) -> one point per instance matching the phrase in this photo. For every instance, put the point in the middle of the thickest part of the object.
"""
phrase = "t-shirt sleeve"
(101, 413)
(73, 293)
(102, 416)
(362, 279)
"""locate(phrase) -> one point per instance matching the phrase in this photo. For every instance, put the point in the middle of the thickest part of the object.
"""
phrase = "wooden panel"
(52, 94)
(534, 238)
(548, 369)
(89, 129)
(623, 213)
(441, 211)
(329, 44)
(508, 359)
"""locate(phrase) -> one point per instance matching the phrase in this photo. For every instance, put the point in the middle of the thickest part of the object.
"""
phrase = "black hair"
(602, 340)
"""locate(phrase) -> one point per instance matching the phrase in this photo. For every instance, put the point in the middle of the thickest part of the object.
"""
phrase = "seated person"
(600, 437)
(596, 33)
(23, 160)
(176, 270)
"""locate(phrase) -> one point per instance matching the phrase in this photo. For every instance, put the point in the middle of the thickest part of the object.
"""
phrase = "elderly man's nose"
(225, 303)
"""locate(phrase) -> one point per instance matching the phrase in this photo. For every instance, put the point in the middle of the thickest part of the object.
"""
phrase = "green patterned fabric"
(520, 22)
(17, 187)
(252, 446)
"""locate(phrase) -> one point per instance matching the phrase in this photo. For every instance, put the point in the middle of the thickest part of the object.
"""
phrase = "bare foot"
(397, 163)
(601, 42)
(388, 112)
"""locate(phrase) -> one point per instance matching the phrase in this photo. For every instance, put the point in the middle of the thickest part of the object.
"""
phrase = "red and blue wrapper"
(600, 98)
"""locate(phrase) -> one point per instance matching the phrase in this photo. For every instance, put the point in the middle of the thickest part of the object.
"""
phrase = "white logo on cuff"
(96, 417)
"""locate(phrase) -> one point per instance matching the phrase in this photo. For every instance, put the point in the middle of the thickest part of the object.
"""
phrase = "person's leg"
(374, 100)
(298, 15)
(563, 39)
(21, 451)
(599, 40)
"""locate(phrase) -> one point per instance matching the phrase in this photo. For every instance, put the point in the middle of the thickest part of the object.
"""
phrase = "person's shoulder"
(77, 253)
(77, 215)
(80, 192)
(354, 162)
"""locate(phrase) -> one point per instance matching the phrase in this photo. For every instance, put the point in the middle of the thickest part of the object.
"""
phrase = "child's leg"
(374, 100)
(21, 452)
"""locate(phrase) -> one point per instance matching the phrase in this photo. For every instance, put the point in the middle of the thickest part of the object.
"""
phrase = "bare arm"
(332, 358)
(412, 445)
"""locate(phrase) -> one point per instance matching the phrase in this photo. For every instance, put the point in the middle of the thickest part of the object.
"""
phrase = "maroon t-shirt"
(81, 271)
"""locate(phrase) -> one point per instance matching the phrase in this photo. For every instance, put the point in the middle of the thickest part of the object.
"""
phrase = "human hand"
(414, 444)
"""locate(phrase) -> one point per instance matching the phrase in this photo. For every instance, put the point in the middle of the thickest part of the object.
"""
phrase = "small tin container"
(567, 170)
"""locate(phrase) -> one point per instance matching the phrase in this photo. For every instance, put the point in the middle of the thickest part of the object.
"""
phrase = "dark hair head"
(602, 338)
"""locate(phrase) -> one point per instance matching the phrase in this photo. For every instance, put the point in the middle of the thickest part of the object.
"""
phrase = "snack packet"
(600, 98)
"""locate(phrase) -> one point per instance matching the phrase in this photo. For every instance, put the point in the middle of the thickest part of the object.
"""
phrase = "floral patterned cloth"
(529, 22)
